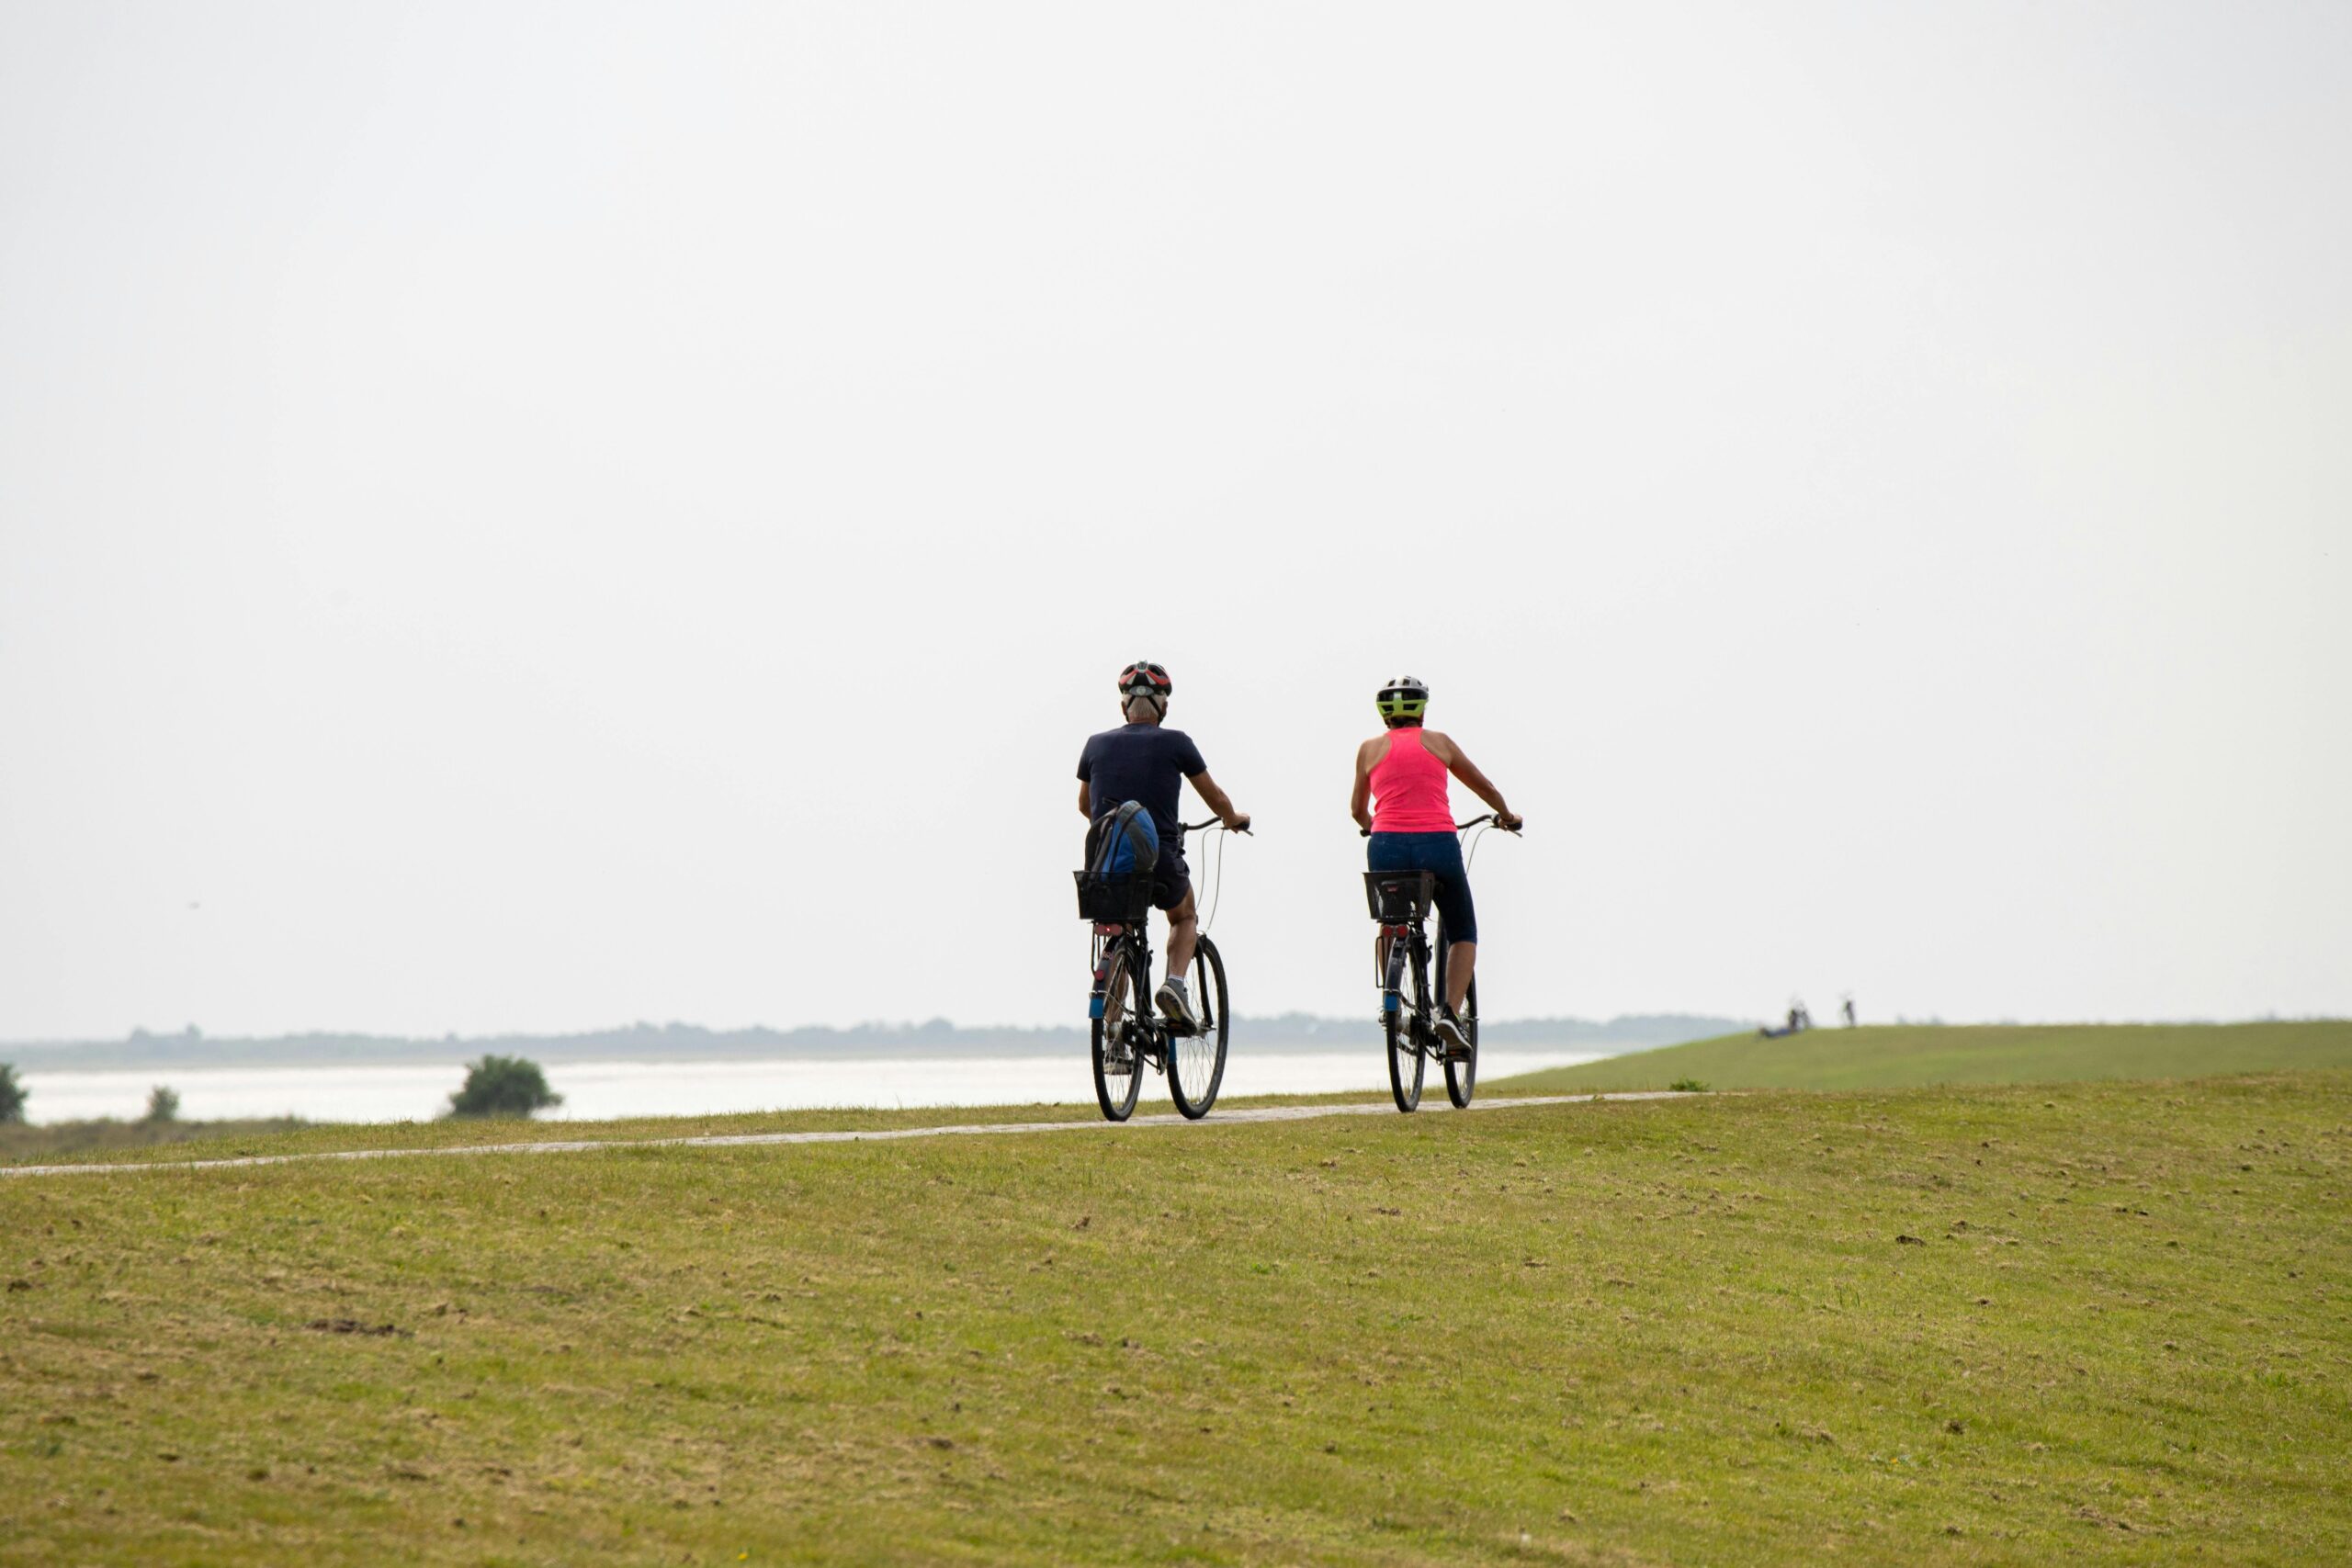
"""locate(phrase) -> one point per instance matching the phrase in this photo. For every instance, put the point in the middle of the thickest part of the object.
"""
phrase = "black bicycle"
(1400, 901)
(1129, 1034)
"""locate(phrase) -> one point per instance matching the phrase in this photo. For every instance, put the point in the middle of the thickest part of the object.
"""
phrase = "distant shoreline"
(678, 1041)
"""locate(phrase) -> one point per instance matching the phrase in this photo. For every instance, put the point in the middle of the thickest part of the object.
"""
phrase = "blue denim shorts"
(1439, 853)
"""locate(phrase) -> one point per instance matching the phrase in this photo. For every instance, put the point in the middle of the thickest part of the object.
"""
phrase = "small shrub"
(504, 1086)
(163, 1103)
(1688, 1086)
(12, 1094)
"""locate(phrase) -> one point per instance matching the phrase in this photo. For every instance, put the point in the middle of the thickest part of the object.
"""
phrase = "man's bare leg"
(1184, 935)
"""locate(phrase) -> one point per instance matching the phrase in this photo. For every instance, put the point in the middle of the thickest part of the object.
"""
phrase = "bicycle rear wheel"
(1196, 1062)
(1405, 1027)
(1118, 1066)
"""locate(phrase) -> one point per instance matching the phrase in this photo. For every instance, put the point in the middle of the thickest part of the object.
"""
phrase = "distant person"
(1847, 1007)
(1146, 762)
(1401, 800)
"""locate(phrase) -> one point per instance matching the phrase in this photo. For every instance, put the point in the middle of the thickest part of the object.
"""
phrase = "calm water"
(593, 1090)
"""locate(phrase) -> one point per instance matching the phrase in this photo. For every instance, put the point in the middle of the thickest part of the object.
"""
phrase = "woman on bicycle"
(1400, 800)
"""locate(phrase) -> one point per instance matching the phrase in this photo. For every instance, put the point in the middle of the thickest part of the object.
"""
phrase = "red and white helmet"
(1145, 679)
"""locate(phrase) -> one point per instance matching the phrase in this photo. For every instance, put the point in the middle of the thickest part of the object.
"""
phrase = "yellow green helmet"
(1403, 698)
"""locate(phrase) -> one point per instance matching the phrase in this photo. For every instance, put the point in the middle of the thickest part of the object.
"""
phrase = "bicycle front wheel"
(1196, 1062)
(1404, 1026)
(1118, 1066)
(1462, 1076)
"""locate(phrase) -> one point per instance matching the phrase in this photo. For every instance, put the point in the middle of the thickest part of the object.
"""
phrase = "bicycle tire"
(1114, 1090)
(1461, 1077)
(1398, 1028)
(1196, 1062)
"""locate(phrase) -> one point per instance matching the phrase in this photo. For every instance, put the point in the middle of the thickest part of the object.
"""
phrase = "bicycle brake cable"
(1218, 896)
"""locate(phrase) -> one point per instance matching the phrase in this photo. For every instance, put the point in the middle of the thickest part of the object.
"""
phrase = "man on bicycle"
(1144, 762)
(1400, 800)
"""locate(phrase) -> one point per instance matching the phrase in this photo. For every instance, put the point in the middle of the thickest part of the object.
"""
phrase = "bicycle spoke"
(1118, 1068)
(1196, 1061)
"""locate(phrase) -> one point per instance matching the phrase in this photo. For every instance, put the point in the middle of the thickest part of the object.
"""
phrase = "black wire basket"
(1113, 898)
(1399, 897)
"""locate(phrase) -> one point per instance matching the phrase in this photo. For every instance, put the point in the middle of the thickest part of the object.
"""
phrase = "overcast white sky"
(533, 517)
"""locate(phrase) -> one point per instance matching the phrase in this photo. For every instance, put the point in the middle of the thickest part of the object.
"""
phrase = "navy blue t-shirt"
(1145, 763)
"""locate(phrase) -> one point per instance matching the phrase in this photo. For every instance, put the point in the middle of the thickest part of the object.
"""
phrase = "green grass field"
(1901, 1055)
(1946, 1325)
(216, 1140)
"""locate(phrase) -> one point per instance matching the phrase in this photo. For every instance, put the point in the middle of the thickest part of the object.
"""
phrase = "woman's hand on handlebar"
(1510, 822)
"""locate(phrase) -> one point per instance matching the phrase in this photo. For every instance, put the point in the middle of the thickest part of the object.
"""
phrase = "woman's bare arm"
(1360, 804)
(1457, 762)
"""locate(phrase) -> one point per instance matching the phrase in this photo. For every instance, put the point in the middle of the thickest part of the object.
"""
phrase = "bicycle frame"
(1134, 940)
(1409, 943)
(1432, 1028)
(1416, 940)
(1151, 1031)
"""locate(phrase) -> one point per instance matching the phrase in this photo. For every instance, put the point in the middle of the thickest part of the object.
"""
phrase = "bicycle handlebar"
(1212, 822)
(1458, 827)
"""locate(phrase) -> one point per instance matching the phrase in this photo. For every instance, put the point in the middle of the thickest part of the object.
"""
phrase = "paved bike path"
(754, 1140)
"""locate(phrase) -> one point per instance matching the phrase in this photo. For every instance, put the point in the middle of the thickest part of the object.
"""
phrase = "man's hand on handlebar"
(1238, 822)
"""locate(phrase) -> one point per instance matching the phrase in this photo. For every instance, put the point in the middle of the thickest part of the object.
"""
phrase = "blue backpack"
(1123, 841)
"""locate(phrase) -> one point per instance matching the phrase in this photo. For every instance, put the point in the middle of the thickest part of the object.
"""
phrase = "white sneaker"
(1176, 1002)
(1453, 1035)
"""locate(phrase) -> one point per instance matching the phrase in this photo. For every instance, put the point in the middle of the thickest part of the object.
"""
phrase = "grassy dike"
(43, 1143)
(1953, 1326)
(1904, 1055)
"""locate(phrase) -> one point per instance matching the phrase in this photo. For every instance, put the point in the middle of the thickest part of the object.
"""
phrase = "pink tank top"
(1408, 787)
